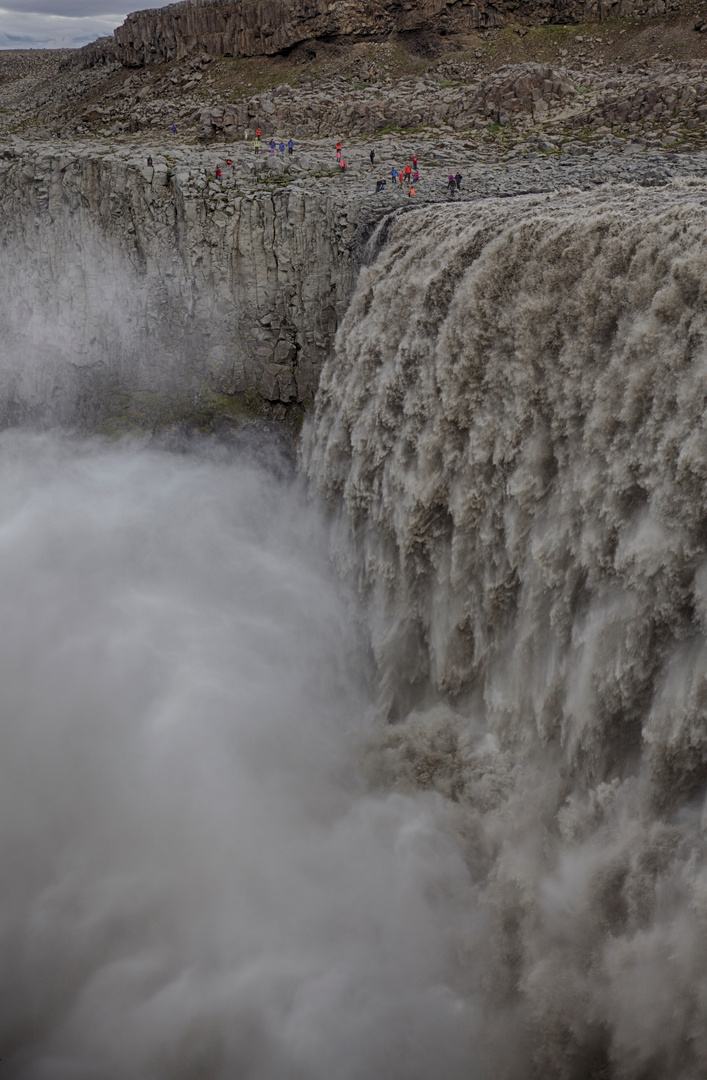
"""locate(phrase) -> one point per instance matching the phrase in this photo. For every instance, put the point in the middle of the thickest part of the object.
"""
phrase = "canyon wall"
(267, 27)
(116, 271)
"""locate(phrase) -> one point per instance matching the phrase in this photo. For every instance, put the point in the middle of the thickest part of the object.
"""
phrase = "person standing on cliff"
(343, 166)
(372, 156)
(458, 181)
(257, 134)
(174, 129)
(290, 147)
(272, 147)
(149, 161)
(338, 152)
(393, 174)
(281, 149)
(256, 144)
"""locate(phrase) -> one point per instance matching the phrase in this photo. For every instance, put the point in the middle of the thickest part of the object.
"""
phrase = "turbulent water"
(512, 443)
(446, 819)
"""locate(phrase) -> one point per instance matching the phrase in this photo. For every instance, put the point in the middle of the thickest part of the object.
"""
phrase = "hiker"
(229, 161)
(393, 174)
(218, 174)
(149, 162)
(343, 166)
(408, 173)
(401, 176)
(458, 180)
(372, 156)
(256, 144)
(338, 152)
(257, 133)
(290, 146)
(415, 176)
(414, 160)
(281, 149)
(272, 146)
(174, 129)
(411, 192)
(451, 184)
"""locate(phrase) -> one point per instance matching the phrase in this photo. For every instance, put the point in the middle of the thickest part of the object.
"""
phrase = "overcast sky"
(55, 24)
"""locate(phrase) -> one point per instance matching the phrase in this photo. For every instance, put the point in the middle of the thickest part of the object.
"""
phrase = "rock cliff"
(114, 272)
(267, 27)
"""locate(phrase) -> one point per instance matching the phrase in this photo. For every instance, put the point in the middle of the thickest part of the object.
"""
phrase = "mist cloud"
(194, 882)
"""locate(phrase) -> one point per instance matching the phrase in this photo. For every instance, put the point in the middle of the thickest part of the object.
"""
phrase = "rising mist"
(194, 881)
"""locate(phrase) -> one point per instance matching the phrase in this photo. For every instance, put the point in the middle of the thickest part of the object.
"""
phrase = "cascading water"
(511, 439)
(218, 859)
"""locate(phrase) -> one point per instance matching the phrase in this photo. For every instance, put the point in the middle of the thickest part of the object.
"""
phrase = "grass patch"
(126, 412)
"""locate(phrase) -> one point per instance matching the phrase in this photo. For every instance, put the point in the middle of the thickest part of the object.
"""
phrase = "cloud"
(32, 30)
(57, 24)
(68, 9)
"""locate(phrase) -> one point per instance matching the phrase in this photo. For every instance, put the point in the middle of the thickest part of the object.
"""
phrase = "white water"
(511, 439)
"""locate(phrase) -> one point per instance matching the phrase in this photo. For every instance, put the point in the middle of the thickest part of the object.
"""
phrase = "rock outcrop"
(268, 27)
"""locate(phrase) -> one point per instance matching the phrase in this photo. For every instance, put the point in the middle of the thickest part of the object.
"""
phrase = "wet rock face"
(267, 27)
(121, 271)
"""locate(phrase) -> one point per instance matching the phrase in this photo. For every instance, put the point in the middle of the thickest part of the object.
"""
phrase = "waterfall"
(510, 440)
(440, 813)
